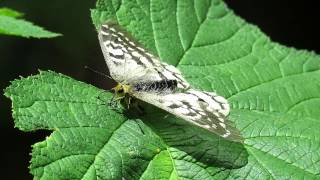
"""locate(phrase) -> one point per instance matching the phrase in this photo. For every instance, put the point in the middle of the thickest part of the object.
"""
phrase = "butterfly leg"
(128, 101)
(116, 102)
(100, 99)
(112, 102)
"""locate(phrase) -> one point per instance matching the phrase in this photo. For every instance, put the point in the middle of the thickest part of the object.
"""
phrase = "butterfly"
(143, 76)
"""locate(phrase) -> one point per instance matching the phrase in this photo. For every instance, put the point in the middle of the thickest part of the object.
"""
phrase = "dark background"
(292, 23)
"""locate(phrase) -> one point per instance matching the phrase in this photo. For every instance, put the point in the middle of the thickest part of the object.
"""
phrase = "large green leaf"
(90, 140)
(274, 92)
(10, 25)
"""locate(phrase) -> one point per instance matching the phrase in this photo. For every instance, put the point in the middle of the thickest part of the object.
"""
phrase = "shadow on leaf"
(199, 143)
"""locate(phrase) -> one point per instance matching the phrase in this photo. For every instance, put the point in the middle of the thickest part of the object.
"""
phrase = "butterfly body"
(143, 76)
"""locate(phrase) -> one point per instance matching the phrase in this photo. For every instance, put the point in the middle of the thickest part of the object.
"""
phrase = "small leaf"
(10, 13)
(9, 25)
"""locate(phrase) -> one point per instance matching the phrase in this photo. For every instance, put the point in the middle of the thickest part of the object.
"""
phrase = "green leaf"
(10, 13)
(9, 25)
(273, 91)
(90, 140)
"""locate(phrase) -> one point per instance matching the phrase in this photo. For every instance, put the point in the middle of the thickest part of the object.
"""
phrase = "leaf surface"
(10, 25)
(273, 91)
(10, 12)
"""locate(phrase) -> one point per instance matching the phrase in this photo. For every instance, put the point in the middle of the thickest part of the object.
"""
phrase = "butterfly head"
(121, 89)
(121, 95)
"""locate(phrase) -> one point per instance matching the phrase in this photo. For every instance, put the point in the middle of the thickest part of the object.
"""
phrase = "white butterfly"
(141, 75)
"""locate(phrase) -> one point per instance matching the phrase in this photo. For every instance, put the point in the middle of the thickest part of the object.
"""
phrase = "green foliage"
(91, 140)
(10, 13)
(10, 25)
(273, 91)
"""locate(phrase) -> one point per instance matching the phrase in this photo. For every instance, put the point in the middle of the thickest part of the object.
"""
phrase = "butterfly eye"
(120, 90)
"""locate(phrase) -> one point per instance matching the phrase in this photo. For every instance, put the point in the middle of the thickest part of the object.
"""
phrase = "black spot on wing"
(104, 29)
(178, 76)
(105, 38)
(173, 106)
(161, 75)
(198, 98)
(119, 57)
(213, 98)
(118, 35)
(137, 60)
(204, 118)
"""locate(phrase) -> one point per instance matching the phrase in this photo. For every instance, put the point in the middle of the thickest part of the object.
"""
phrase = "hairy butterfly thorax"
(141, 75)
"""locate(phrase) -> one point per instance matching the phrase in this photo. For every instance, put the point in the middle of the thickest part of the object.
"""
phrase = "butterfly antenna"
(97, 72)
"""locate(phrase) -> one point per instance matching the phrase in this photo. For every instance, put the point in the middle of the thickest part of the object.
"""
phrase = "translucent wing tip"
(234, 133)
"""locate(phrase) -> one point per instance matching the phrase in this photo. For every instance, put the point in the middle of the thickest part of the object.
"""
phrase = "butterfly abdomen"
(157, 86)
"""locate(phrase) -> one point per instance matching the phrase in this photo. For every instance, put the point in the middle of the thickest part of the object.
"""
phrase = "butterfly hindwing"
(204, 109)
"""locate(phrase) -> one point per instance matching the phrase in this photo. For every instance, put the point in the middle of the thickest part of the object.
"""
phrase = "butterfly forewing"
(130, 62)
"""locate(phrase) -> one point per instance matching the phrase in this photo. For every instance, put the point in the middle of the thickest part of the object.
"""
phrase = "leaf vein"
(102, 147)
(272, 80)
